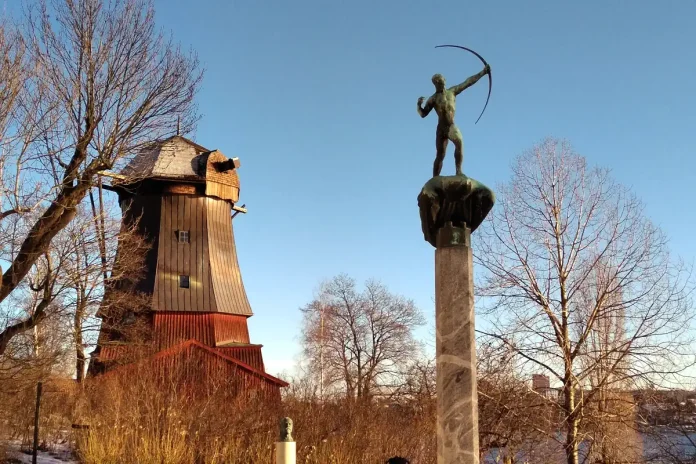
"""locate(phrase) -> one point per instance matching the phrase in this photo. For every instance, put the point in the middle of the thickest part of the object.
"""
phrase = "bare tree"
(360, 340)
(419, 384)
(16, 132)
(68, 284)
(609, 421)
(12, 72)
(99, 253)
(99, 82)
(569, 255)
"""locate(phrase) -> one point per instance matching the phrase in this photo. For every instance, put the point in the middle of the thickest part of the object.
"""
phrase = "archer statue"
(444, 103)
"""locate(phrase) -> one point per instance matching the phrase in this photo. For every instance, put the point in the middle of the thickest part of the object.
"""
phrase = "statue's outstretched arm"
(424, 111)
(459, 88)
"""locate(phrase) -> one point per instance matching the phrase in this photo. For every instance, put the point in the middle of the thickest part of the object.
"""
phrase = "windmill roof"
(173, 158)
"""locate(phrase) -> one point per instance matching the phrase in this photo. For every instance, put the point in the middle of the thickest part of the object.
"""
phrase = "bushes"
(145, 417)
(17, 404)
(369, 432)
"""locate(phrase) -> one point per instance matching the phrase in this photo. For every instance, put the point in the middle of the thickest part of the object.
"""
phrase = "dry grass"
(340, 432)
(148, 417)
(138, 419)
(163, 416)
(17, 404)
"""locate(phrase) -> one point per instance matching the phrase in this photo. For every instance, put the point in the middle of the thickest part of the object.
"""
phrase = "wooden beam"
(238, 209)
(112, 175)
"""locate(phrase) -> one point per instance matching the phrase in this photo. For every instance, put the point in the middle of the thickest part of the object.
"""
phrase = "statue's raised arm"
(459, 88)
(486, 68)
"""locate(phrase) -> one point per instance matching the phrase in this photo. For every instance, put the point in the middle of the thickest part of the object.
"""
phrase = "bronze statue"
(444, 103)
(286, 429)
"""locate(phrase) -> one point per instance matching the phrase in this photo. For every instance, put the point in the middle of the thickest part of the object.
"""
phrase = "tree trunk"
(571, 447)
(35, 447)
(80, 357)
(359, 380)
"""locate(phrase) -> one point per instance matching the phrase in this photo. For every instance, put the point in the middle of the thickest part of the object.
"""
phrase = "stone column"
(285, 452)
(457, 402)
(451, 207)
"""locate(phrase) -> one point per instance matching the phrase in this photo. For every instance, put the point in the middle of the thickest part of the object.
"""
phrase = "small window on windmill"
(184, 281)
(183, 236)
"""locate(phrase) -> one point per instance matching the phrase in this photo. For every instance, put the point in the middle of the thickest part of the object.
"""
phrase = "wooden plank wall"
(146, 210)
(224, 268)
(183, 212)
(250, 355)
(209, 259)
(174, 328)
(193, 364)
(210, 329)
(223, 191)
(230, 328)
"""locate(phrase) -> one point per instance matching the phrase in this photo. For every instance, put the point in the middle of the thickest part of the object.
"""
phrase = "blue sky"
(318, 100)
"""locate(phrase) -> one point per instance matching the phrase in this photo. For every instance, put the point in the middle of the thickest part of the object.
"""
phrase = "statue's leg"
(456, 137)
(441, 142)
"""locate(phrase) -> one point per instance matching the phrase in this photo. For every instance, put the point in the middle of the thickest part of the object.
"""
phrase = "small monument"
(286, 430)
(286, 452)
(451, 207)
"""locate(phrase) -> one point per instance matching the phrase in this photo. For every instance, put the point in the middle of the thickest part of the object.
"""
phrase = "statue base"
(451, 207)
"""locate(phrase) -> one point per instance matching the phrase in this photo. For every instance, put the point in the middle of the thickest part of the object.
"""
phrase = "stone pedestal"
(451, 207)
(285, 452)
(457, 403)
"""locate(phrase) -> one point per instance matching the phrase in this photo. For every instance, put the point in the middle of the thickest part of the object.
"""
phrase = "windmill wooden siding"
(227, 278)
(206, 361)
(215, 280)
(197, 298)
(247, 354)
(210, 329)
(144, 211)
(192, 360)
(183, 212)
(250, 354)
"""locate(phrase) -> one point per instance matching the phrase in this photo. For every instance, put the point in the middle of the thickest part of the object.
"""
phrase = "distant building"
(542, 385)
(540, 382)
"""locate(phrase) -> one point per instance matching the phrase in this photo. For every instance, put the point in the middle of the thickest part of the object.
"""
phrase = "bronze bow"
(490, 77)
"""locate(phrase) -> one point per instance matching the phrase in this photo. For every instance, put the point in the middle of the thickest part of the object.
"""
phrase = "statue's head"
(439, 82)
(286, 429)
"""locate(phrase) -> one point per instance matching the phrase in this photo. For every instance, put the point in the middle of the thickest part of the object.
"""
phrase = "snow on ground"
(60, 455)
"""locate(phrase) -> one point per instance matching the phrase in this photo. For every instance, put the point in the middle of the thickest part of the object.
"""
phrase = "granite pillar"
(451, 207)
(457, 403)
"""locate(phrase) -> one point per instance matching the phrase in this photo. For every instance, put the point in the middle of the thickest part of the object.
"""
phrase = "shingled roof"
(174, 158)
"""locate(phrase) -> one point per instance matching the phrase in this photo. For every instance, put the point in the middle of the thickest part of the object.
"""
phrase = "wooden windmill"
(182, 197)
